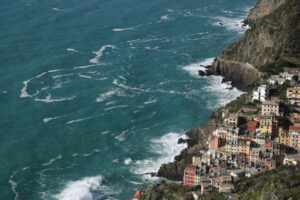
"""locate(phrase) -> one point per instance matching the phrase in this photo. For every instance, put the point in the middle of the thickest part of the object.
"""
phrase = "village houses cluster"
(252, 140)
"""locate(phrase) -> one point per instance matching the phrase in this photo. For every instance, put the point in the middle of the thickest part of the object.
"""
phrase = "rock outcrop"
(275, 36)
(196, 142)
(262, 8)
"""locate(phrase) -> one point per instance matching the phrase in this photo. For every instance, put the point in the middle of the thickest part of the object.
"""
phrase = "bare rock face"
(262, 8)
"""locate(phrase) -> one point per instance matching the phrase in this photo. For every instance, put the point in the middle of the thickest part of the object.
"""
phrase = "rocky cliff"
(274, 36)
(197, 141)
(262, 8)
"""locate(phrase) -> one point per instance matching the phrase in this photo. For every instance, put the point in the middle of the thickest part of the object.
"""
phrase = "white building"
(287, 76)
(261, 94)
(276, 79)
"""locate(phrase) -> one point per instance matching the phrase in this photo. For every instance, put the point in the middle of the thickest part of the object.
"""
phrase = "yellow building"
(238, 146)
(283, 136)
(294, 136)
(293, 94)
(232, 120)
(268, 125)
(270, 107)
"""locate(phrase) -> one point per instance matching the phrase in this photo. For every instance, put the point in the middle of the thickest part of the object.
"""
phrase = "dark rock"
(181, 140)
(201, 73)
(221, 23)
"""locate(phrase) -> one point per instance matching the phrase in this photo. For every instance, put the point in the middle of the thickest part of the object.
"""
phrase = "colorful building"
(268, 125)
(191, 176)
(252, 126)
(238, 146)
(270, 107)
(294, 136)
(293, 95)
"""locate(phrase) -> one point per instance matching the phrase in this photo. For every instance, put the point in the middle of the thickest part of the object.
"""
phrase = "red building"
(252, 126)
(189, 177)
(216, 142)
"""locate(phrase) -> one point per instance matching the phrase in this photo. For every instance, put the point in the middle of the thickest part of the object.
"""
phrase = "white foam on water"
(115, 107)
(73, 50)
(105, 132)
(151, 101)
(48, 119)
(122, 137)
(108, 95)
(99, 53)
(166, 148)
(128, 161)
(84, 66)
(13, 186)
(224, 91)
(115, 161)
(195, 67)
(25, 168)
(123, 29)
(235, 24)
(60, 10)
(4, 92)
(78, 120)
(62, 75)
(116, 82)
(49, 100)
(84, 76)
(52, 160)
(88, 188)
(24, 92)
(92, 152)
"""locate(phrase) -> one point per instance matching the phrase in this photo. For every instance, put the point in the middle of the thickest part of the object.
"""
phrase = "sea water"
(95, 94)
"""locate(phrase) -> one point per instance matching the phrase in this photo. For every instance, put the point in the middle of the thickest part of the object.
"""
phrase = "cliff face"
(274, 36)
(198, 137)
(262, 8)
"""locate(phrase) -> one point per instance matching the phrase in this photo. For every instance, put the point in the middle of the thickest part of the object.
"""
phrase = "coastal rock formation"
(262, 8)
(240, 74)
(273, 37)
(197, 141)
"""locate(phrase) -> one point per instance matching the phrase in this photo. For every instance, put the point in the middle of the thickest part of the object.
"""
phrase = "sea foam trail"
(13, 186)
(48, 119)
(166, 148)
(49, 100)
(107, 95)
(73, 50)
(52, 160)
(195, 67)
(122, 29)
(88, 188)
(99, 53)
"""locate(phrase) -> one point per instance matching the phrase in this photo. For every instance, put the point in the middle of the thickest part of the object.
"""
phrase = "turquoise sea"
(94, 94)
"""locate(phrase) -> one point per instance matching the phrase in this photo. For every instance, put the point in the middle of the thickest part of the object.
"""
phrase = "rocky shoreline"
(238, 65)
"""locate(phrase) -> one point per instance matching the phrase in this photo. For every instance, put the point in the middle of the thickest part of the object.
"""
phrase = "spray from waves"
(99, 53)
(223, 91)
(195, 67)
(52, 160)
(88, 188)
(235, 24)
(48, 119)
(165, 148)
(123, 29)
(116, 82)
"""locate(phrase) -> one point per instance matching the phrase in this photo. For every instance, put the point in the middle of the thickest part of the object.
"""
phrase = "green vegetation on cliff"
(274, 37)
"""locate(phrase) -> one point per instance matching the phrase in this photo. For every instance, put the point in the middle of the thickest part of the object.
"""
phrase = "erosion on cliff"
(273, 37)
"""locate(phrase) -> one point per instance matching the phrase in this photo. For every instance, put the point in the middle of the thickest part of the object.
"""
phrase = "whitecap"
(49, 100)
(99, 53)
(194, 68)
(166, 148)
(105, 132)
(88, 188)
(13, 186)
(128, 161)
(52, 160)
(24, 92)
(122, 137)
(84, 76)
(116, 82)
(78, 120)
(48, 119)
(115, 107)
(107, 95)
(150, 101)
(73, 50)
(122, 29)
(235, 24)
(61, 10)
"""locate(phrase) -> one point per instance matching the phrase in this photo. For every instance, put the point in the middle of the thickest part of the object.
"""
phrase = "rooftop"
(270, 103)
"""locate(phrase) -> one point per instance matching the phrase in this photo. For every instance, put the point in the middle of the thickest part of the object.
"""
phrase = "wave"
(99, 53)
(73, 50)
(13, 186)
(24, 92)
(78, 120)
(61, 10)
(122, 137)
(88, 188)
(48, 119)
(166, 148)
(116, 82)
(52, 160)
(195, 67)
(107, 95)
(235, 24)
(84, 76)
(151, 101)
(128, 161)
(49, 100)
(62, 75)
(224, 91)
(92, 152)
(115, 107)
(123, 29)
